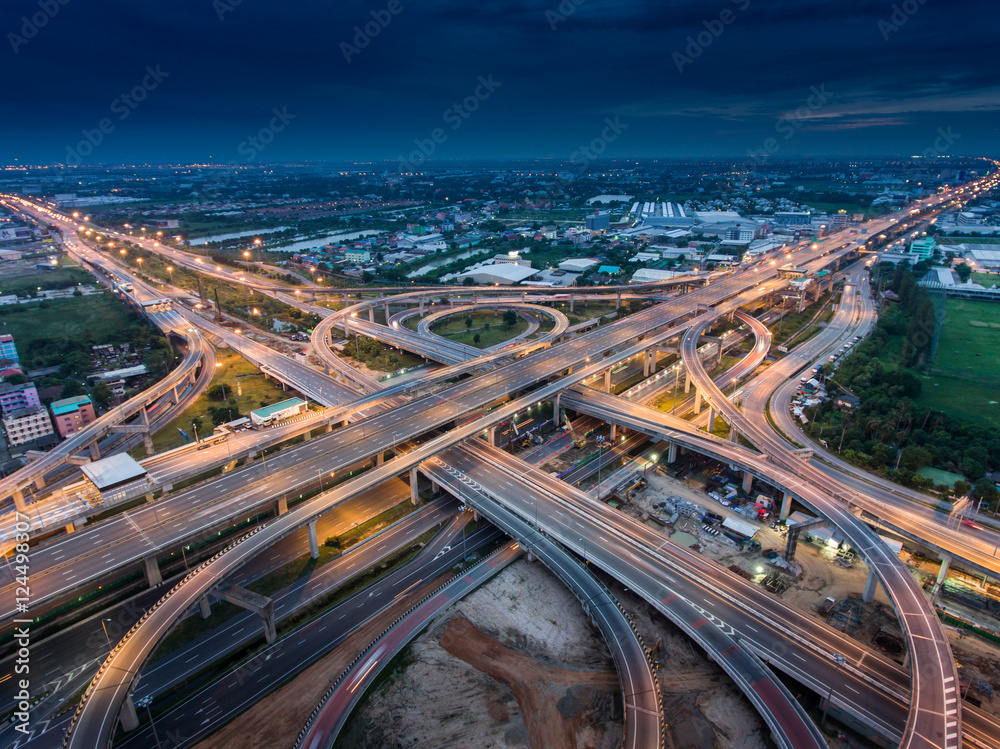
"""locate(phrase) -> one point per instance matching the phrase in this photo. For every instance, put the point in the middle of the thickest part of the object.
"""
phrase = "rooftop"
(113, 470)
(269, 411)
(69, 405)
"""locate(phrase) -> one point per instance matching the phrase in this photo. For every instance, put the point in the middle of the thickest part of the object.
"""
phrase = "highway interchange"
(409, 421)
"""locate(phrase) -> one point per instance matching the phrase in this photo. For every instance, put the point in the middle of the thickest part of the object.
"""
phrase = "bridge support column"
(747, 482)
(39, 483)
(672, 452)
(385, 308)
(95, 451)
(607, 380)
(205, 607)
(786, 506)
(174, 391)
(152, 571)
(711, 419)
(491, 435)
(871, 585)
(262, 606)
(19, 502)
(614, 432)
(618, 305)
(371, 314)
(645, 364)
(313, 541)
(697, 401)
(281, 505)
(942, 572)
(380, 457)
(556, 416)
(733, 434)
(421, 306)
(127, 716)
(687, 383)
(571, 304)
(414, 493)
(326, 369)
(654, 354)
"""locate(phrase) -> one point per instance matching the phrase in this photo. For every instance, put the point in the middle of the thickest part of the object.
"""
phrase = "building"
(7, 348)
(923, 248)
(15, 397)
(792, 218)
(741, 234)
(26, 425)
(166, 223)
(115, 479)
(72, 414)
(967, 217)
(608, 199)
(597, 221)
(358, 256)
(501, 274)
(578, 264)
(286, 409)
(847, 403)
(652, 275)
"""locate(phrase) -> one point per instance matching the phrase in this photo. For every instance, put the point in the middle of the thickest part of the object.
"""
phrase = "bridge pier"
(371, 314)
(313, 541)
(711, 419)
(614, 432)
(414, 493)
(687, 383)
(942, 572)
(747, 482)
(491, 436)
(260, 605)
(19, 502)
(95, 451)
(786, 506)
(205, 607)
(733, 434)
(607, 380)
(128, 717)
(281, 505)
(672, 453)
(556, 417)
(152, 571)
(379, 458)
(871, 585)
(697, 401)
(571, 304)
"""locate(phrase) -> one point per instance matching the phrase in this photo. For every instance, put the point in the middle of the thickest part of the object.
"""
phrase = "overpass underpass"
(935, 715)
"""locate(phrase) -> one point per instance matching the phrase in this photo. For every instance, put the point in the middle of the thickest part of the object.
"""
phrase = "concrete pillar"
(19, 502)
(734, 435)
(71, 528)
(697, 401)
(152, 570)
(127, 715)
(435, 488)
(645, 364)
(614, 432)
(326, 369)
(747, 482)
(607, 380)
(385, 308)
(618, 305)
(346, 303)
(39, 483)
(147, 442)
(307, 436)
(313, 541)
(380, 457)
(421, 306)
(174, 391)
(943, 571)
(281, 505)
(687, 383)
(491, 435)
(571, 303)
(672, 453)
(711, 419)
(871, 584)
(530, 557)
(556, 416)
(786, 506)
(654, 354)
(205, 607)
(414, 494)
(95, 451)
(371, 314)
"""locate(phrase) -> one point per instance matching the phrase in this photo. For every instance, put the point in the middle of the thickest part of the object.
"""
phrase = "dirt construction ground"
(516, 664)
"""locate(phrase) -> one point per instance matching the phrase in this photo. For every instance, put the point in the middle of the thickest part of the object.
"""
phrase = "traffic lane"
(245, 627)
(783, 716)
(283, 659)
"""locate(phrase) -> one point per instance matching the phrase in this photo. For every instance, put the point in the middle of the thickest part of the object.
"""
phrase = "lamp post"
(145, 702)
(840, 660)
(106, 636)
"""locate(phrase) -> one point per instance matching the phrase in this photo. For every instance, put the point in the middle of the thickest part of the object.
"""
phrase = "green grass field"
(970, 340)
(940, 477)
(453, 328)
(969, 400)
(106, 318)
(62, 278)
(986, 279)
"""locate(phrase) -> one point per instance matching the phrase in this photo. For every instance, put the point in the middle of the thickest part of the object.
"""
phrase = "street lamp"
(840, 660)
(146, 702)
(106, 636)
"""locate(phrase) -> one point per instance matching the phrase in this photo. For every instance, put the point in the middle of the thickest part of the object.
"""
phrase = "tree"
(509, 318)
(962, 488)
(101, 393)
(963, 271)
(217, 392)
(476, 338)
(985, 490)
(468, 322)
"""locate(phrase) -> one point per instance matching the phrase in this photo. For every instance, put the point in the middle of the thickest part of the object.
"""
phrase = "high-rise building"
(13, 397)
(26, 425)
(598, 221)
(72, 414)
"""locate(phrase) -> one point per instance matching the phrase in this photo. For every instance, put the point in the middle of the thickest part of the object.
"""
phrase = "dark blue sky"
(887, 87)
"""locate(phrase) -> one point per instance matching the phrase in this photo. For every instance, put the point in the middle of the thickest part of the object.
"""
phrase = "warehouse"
(500, 274)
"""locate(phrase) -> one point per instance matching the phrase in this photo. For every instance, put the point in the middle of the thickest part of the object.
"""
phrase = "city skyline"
(232, 81)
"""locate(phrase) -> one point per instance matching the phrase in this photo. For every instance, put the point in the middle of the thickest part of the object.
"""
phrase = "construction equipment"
(578, 441)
